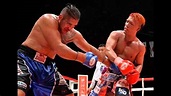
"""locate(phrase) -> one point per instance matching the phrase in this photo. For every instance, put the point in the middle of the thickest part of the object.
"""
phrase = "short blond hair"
(139, 17)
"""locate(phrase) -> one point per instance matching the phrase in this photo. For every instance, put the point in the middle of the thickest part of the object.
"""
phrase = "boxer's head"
(134, 23)
(139, 18)
(70, 11)
(69, 18)
(101, 47)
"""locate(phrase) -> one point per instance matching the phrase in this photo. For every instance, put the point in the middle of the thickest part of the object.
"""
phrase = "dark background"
(98, 19)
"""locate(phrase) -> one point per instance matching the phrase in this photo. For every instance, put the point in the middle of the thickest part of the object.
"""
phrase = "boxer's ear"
(60, 17)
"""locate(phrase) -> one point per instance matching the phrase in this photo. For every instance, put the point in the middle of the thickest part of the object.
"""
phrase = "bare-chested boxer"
(37, 73)
(124, 45)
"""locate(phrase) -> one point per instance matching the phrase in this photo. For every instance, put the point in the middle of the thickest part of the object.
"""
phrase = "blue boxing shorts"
(37, 74)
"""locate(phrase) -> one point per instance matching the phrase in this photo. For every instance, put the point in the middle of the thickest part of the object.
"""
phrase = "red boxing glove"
(125, 66)
(133, 77)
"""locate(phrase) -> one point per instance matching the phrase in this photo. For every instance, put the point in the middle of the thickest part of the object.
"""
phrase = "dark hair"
(71, 10)
(102, 45)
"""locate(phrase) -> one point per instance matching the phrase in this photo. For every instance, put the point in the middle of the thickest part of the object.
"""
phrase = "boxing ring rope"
(143, 88)
(73, 82)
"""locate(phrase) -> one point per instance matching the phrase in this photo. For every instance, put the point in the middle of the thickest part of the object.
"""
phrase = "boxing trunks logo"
(122, 91)
(40, 57)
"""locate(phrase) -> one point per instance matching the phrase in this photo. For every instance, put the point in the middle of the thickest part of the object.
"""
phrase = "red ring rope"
(75, 80)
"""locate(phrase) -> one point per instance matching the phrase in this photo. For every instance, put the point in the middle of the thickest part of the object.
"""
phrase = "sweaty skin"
(125, 44)
(50, 38)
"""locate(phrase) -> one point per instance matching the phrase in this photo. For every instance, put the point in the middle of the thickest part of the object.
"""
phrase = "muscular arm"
(140, 58)
(53, 39)
(134, 75)
(110, 46)
(80, 42)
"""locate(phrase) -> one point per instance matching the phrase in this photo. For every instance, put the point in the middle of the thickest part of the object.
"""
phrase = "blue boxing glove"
(91, 60)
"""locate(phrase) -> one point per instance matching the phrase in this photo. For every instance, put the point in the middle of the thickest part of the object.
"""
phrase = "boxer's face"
(101, 49)
(67, 23)
(131, 25)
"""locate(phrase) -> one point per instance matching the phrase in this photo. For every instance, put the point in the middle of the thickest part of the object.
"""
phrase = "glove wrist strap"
(117, 60)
